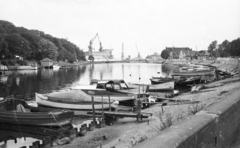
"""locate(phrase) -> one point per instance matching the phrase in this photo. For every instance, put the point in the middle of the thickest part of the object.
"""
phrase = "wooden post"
(93, 108)
(109, 103)
(102, 107)
(139, 110)
(239, 68)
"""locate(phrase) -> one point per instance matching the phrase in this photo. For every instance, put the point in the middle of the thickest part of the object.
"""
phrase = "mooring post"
(109, 103)
(239, 68)
(102, 107)
(139, 110)
(93, 108)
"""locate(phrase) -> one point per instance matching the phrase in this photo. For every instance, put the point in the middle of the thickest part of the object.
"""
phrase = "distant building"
(178, 52)
(103, 55)
(155, 56)
(203, 55)
(191, 55)
(182, 55)
(46, 62)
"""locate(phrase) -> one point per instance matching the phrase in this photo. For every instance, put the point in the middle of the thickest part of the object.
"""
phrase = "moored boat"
(194, 72)
(43, 100)
(56, 67)
(188, 81)
(114, 85)
(16, 111)
(160, 80)
(165, 86)
(82, 99)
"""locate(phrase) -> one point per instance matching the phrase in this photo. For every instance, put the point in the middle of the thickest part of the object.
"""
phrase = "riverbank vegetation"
(224, 49)
(35, 45)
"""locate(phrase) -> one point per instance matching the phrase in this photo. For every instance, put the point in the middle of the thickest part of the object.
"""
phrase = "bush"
(11, 63)
(193, 109)
(166, 120)
(21, 62)
(4, 63)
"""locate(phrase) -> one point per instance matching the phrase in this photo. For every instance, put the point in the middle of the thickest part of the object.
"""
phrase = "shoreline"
(127, 132)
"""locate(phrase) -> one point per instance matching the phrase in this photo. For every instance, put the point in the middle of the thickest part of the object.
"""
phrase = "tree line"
(224, 49)
(35, 45)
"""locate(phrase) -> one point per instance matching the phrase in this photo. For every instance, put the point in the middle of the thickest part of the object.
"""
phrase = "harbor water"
(25, 83)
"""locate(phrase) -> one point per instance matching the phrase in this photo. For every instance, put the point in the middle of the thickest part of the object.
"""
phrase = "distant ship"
(101, 55)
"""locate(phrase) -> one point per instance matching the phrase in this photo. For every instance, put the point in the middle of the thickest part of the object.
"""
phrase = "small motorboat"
(116, 86)
(160, 80)
(77, 99)
(17, 111)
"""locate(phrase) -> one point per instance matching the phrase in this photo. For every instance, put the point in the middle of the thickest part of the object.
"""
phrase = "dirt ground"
(128, 132)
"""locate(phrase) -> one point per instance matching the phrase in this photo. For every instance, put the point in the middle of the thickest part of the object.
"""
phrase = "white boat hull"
(56, 67)
(44, 101)
(162, 86)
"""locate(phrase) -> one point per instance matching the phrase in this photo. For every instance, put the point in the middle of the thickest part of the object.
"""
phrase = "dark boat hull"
(9, 113)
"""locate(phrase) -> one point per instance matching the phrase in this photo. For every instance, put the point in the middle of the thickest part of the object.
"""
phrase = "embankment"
(218, 125)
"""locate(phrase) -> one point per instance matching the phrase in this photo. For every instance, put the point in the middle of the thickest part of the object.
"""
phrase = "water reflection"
(15, 136)
(48, 80)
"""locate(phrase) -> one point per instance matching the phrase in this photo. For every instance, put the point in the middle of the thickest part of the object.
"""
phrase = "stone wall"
(218, 126)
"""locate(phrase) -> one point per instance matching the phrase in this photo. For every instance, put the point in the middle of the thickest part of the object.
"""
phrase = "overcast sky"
(146, 25)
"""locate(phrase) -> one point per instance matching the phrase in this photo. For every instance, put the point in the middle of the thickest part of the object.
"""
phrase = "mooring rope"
(57, 122)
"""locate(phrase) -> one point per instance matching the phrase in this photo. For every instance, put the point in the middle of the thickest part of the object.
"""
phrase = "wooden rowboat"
(43, 100)
(16, 111)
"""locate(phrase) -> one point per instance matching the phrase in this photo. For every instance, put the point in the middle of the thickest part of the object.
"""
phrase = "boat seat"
(20, 108)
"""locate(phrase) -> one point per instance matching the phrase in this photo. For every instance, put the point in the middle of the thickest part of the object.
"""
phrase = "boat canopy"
(70, 95)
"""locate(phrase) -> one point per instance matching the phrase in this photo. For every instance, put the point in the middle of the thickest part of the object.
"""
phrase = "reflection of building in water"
(46, 73)
(91, 69)
(3, 79)
(17, 81)
(99, 71)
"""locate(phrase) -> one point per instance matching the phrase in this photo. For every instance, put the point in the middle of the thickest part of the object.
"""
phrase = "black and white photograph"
(119, 74)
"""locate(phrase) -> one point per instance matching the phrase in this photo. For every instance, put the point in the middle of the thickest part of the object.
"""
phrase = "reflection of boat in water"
(18, 135)
(16, 111)
(29, 67)
(3, 79)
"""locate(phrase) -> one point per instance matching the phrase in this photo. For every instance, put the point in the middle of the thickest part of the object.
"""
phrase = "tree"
(234, 48)
(165, 54)
(7, 27)
(17, 45)
(3, 47)
(47, 50)
(212, 48)
(91, 58)
(223, 49)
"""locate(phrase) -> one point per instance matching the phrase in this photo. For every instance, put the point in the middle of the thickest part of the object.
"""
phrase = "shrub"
(166, 120)
(193, 109)
(11, 63)
(4, 63)
(21, 62)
